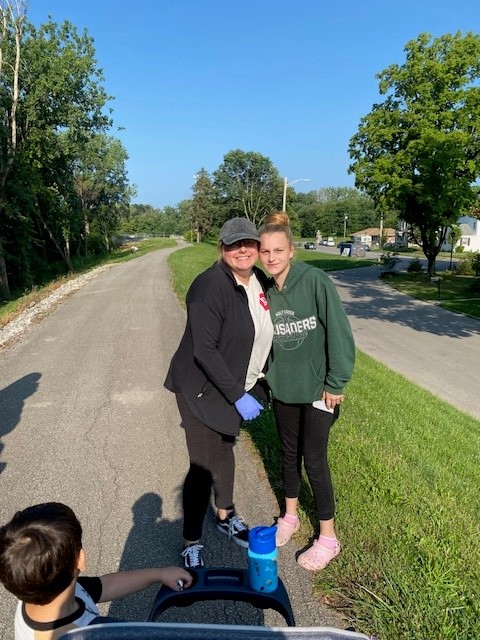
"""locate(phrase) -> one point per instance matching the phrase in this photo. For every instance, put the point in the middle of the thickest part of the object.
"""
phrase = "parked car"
(310, 245)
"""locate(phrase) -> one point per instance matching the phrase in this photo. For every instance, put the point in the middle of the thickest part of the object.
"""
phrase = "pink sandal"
(285, 531)
(318, 556)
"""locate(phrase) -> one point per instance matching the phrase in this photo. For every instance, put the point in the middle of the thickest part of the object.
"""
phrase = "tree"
(101, 184)
(418, 152)
(203, 204)
(248, 185)
(12, 19)
(52, 119)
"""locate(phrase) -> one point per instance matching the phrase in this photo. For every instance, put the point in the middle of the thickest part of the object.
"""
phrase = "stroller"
(213, 584)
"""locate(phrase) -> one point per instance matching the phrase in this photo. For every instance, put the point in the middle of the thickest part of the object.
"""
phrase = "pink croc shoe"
(318, 556)
(285, 531)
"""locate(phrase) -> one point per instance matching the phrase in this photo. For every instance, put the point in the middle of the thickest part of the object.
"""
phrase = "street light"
(289, 184)
(345, 227)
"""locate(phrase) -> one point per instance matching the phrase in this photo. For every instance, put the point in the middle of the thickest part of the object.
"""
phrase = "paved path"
(84, 419)
(437, 349)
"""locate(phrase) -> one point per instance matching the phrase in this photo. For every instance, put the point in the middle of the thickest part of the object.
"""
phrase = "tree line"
(64, 189)
(63, 182)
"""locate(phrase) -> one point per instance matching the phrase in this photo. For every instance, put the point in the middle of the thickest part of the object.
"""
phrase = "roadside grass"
(186, 264)
(406, 469)
(25, 299)
(332, 262)
(457, 292)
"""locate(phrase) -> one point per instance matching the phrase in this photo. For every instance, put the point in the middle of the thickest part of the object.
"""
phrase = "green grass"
(186, 264)
(457, 293)
(406, 469)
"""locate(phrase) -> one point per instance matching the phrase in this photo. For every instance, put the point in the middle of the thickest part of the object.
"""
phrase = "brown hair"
(39, 550)
(277, 222)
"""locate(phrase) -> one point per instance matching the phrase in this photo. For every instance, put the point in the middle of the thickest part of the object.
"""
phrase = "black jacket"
(210, 365)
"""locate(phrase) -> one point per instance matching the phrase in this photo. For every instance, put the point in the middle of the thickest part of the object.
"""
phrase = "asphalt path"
(85, 420)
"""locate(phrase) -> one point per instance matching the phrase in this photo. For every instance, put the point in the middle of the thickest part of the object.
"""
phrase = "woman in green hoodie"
(312, 359)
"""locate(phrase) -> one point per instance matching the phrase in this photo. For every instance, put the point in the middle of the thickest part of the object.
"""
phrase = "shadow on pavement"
(149, 544)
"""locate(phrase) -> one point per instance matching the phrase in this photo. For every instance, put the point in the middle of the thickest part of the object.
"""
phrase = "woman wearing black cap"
(215, 374)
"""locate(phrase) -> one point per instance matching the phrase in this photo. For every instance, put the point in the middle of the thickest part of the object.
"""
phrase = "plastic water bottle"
(262, 559)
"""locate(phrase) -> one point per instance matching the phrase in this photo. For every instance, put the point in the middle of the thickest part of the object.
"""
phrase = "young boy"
(41, 556)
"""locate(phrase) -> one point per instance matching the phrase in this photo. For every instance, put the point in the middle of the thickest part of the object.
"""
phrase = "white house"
(470, 235)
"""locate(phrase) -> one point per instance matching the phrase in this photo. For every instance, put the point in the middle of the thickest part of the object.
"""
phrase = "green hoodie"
(313, 348)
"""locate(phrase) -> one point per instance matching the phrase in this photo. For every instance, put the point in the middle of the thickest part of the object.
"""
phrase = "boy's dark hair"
(39, 551)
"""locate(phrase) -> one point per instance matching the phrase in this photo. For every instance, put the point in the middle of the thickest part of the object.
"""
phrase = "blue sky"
(195, 79)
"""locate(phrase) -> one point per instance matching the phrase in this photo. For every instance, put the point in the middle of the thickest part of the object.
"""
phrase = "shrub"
(415, 266)
(190, 236)
(459, 249)
(389, 261)
(476, 263)
(469, 265)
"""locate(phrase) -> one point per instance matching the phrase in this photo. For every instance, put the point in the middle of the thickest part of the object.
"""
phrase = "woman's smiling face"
(241, 256)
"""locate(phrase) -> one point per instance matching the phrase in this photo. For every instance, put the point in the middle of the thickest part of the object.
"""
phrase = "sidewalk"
(438, 350)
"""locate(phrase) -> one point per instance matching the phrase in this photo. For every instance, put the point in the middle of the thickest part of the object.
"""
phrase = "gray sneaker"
(192, 556)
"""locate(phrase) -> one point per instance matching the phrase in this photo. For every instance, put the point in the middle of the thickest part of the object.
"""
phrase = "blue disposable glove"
(248, 407)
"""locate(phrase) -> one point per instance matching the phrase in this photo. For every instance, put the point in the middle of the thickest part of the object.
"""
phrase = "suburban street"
(437, 349)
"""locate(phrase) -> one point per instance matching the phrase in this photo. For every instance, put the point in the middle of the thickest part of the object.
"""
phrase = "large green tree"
(248, 185)
(419, 150)
(101, 184)
(54, 148)
(12, 25)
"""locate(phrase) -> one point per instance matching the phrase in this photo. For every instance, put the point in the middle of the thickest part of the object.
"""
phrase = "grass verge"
(186, 264)
(406, 468)
(452, 292)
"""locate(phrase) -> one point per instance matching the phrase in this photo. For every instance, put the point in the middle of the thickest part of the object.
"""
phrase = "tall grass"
(406, 469)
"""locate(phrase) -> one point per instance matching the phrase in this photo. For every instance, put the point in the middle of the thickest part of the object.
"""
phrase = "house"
(469, 235)
(371, 236)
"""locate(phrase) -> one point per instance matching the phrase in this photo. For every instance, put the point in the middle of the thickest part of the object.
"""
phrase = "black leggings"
(212, 464)
(304, 433)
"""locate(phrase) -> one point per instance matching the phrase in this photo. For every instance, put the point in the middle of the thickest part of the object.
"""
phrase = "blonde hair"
(277, 222)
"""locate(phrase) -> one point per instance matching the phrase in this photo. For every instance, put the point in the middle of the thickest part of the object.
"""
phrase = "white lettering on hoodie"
(289, 332)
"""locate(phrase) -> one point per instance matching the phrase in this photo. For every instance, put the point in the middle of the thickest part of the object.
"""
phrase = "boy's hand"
(171, 575)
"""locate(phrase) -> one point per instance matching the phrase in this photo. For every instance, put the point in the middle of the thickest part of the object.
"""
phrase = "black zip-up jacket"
(210, 365)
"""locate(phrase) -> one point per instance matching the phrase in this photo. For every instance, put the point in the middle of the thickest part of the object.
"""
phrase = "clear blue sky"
(195, 79)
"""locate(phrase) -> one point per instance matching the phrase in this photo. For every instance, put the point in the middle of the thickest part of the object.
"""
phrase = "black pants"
(212, 464)
(304, 433)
